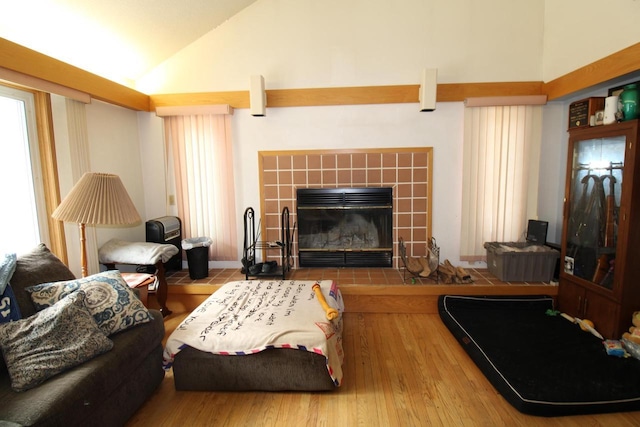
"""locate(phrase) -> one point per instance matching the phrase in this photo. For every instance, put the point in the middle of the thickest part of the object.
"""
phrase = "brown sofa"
(104, 391)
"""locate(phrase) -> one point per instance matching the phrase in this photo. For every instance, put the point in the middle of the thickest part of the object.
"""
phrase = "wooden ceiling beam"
(31, 63)
(399, 94)
(616, 65)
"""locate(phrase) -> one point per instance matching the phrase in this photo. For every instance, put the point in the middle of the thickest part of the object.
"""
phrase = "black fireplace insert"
(345, 227)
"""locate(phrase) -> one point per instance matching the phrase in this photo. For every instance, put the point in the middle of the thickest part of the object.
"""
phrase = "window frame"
(48, 167)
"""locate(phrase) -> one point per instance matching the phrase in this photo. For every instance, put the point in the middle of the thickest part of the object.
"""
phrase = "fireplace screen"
(345, 227)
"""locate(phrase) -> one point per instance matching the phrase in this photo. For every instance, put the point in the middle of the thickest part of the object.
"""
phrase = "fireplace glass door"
(345, 227)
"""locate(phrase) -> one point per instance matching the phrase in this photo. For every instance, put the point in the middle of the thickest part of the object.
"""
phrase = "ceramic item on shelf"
(610, 109)
(629, 100)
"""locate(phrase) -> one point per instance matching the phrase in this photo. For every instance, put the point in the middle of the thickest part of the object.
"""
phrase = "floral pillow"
(50, 342)
(114, 306)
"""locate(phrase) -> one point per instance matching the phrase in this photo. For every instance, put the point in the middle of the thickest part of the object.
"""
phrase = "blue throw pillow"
(9, 310)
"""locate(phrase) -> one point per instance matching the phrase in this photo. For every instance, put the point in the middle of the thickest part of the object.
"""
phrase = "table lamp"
(96, 199)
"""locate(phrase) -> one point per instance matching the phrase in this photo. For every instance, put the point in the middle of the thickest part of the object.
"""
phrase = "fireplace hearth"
(345, 227)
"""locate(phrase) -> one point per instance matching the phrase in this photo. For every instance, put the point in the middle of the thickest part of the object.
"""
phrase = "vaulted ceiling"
(117, 39)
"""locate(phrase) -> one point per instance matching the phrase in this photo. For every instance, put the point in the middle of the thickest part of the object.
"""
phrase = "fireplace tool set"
(267, 268)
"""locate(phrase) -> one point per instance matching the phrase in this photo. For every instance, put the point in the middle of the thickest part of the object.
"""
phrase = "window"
(24, 215)
(28, 173)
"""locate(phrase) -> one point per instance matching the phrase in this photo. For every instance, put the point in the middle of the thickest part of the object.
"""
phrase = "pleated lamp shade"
(97, 198)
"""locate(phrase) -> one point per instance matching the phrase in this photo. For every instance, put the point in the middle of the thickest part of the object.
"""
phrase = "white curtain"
(500, 175)
(200, 149)
(80, 163)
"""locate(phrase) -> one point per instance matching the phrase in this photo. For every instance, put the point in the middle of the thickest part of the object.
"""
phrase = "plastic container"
(521, 261)
(197, 249)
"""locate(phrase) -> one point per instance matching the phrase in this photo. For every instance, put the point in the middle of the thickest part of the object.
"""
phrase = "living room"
(562, 49)
(130, 143)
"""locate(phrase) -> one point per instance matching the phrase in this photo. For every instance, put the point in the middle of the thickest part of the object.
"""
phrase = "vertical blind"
(500, 175)
(200, 149)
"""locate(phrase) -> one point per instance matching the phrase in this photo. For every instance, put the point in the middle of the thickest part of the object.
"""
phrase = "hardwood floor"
(400, 370)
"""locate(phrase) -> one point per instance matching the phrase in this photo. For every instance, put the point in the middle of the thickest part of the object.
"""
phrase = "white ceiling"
(117, 39)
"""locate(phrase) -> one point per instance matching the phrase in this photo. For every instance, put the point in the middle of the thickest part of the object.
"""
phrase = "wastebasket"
(197, 249)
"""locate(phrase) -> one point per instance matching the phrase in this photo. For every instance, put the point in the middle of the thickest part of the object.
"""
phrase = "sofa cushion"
(112, 303)
(104, 391)
(51, 341)
(32, 268)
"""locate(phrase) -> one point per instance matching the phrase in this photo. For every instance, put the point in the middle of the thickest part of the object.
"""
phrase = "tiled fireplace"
(407, 171)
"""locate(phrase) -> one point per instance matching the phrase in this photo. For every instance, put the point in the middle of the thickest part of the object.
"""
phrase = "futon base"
(277, 369)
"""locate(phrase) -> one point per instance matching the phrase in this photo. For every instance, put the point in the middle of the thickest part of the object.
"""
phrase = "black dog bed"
(542, 364)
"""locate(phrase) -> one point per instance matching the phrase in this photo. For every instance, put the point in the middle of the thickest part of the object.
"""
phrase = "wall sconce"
(428, 89)
(257, 96)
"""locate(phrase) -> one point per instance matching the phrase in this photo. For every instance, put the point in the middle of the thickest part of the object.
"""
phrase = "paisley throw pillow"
(50, 342)
(114, 306)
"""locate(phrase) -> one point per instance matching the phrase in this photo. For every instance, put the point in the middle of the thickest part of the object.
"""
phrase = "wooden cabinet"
(601, 227)
(580, 302)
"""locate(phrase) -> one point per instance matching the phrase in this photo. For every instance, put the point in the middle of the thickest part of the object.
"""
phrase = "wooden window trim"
(48, 163)
(49, 168)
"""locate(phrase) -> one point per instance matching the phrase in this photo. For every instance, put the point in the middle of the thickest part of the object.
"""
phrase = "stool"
(120, 252)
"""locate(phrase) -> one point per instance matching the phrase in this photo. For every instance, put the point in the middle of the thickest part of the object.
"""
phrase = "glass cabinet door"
(594, 202)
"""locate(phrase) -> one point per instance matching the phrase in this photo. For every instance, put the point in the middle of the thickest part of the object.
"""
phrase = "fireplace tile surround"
(408, 171)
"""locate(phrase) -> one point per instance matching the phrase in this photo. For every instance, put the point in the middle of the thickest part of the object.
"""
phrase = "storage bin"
(521, 261)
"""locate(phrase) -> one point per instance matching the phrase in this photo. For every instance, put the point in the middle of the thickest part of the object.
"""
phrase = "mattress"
(541, 363)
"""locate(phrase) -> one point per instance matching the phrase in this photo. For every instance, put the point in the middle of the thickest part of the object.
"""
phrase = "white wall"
(368, 126)
(114, 147)
(553, 160)
(152, 153)
(365, 126)
(579, 32)
(305, 43)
